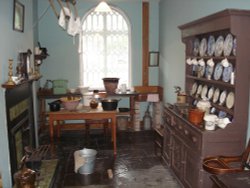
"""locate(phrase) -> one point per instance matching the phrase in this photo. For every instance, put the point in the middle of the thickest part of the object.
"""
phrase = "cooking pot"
(109, 104)
(195, 116)
(55, 105)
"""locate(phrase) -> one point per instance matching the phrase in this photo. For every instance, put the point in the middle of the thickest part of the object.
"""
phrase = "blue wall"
(173, 14)
(11, 43)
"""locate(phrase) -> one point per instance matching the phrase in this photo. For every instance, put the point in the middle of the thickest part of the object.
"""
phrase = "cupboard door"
(167, 145)
(191, 168)
(177, 159)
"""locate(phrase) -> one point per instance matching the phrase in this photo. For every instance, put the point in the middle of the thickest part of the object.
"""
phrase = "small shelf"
(7, 86)
(214, 82)
(213, 57)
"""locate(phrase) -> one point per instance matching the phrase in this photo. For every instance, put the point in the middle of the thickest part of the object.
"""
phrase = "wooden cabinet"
(186, 145)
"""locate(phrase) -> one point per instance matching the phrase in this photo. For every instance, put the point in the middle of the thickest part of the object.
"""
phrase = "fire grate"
(41, 153)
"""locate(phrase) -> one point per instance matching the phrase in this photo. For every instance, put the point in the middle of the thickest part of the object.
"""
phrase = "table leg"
(51, 129)
(114, 133)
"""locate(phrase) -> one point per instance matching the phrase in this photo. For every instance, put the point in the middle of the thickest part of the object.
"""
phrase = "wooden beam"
(145, 42)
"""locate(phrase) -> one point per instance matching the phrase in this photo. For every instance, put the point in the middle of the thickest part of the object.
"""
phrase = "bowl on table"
(70, 103)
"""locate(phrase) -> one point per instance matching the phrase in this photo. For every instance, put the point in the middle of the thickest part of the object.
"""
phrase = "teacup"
(194, 61)
(189, 61)
(210, 62)
(225, 62)
(201, 62)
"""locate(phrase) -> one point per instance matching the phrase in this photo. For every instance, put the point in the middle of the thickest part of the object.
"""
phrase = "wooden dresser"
(186, 145)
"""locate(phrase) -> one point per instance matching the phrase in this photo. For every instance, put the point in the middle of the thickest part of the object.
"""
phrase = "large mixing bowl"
(70, 103)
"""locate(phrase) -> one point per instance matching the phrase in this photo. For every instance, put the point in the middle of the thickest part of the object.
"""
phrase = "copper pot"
(195, 116)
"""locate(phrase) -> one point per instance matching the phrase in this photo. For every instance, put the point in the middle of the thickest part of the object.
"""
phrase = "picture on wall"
(18, 16)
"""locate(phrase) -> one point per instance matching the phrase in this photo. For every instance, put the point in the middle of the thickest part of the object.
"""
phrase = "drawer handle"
(194, 139)
(186, 132)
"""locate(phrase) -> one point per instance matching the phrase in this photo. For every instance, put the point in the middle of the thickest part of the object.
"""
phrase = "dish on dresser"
(218, 71)
(209, 72)
(202, 70)
(210, 93)
(223, 97)
(196, 46)
(228, 45)
(211, 45)
(230, 100)
(199, 90)
(234, 46)
(216, 95)
(219, 46)
(203, 47)
(204, 92)
(194, 88)
(227, 73)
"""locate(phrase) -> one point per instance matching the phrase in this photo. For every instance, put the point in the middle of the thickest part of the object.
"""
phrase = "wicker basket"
(110, 84)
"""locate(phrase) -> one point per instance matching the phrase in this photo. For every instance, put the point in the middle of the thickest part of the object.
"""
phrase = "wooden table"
(83, 115)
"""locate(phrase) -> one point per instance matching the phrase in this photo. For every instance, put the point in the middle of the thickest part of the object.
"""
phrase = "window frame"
(125, 17)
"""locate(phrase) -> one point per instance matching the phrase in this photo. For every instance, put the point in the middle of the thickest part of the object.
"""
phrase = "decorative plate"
(216, 95)
(219, 46)
(194, 88)
(230, 100)
(218, 71)
(211, 45)
(228, 45)
(234, 46)
(223, 97)
(203, 47)
(227, 73)
(199, 90)
(210, 93)
(209, 71)
(196, 46)
(204, 92)
(202, 70)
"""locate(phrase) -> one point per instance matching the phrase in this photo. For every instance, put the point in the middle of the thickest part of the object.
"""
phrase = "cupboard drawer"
(191, 137)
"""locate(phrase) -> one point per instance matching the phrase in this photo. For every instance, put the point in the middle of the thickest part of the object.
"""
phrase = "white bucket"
(89, 164)
(87, 98)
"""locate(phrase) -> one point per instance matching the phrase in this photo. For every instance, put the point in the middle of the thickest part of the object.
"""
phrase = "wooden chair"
(228, 164)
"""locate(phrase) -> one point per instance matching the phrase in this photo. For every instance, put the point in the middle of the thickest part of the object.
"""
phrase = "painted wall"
(63, 62)
(172, 50)
(11, 43)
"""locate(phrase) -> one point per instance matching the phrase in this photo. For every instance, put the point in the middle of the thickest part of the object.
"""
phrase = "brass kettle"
(24, 177)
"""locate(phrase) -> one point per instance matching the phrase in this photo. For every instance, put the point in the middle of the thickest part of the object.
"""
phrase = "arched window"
(105, 52)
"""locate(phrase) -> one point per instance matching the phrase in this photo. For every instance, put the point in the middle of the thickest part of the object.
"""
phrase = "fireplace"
(19, 109)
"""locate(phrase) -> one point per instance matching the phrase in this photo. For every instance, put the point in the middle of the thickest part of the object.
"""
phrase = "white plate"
(209, 71)
(202, 70)
(196, 46)
(199, 90)
(218, 71)
(210, 93)
(194, 88)
(219, 46)
(216, 95)
(204, 92)
(234, 46)
(228, 45)
(227, 73)
(211, 45)
(223, 97)
(203, 47)
(230, 100)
